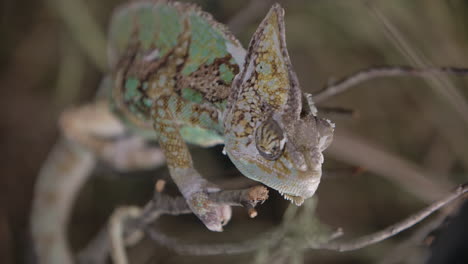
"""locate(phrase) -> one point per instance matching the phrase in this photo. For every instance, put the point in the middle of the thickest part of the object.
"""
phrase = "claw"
(212, 214)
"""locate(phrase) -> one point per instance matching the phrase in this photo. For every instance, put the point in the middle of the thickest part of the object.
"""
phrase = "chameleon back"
(171, 48)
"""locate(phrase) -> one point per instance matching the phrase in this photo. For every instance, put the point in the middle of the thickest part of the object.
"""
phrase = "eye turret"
(270, 139)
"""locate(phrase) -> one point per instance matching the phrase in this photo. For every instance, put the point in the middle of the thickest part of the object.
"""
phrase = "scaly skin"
(183, 77)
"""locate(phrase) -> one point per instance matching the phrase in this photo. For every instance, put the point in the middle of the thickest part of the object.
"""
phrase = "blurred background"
(405, 145)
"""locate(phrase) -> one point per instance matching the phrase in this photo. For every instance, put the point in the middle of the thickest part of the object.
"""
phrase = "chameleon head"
(272, 133)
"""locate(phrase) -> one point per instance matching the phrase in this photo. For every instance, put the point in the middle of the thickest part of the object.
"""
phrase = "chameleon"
(180, 77)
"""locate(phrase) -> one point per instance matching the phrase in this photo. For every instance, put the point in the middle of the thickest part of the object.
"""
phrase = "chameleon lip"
(295, 188)
(297, 200)
(294, 192)
(306, 188)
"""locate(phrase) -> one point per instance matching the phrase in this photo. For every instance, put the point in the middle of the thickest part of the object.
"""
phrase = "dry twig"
(392, 230)
(376, 72)
(127, 224)
(267, 239)
(452, 127)
(281, 234)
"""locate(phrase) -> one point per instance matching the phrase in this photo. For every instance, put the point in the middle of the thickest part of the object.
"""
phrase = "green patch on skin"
(192, 95)
(148, 102)
(131, 88)
(134, 110)
(170, 129)
(221, 105)
(170, 28)
(207, 44)
(207, 121)
(200, 136)
(189, 68)
(156, 26)
(161, 112)
(147, 27)
(232, 61)
(172, 104)
(225, 73)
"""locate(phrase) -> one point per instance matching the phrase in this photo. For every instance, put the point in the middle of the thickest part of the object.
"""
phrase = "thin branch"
(376, 72)
(454, 101)
(117, 223)
(163, 204)
(440, 84)
(402, 250)
(267, 239)
(248, 198)
(339, 111)
(392, 230)
(127, 224)
(279, 234)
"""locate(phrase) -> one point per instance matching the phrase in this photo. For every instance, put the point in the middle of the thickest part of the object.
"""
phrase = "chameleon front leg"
(191, 184)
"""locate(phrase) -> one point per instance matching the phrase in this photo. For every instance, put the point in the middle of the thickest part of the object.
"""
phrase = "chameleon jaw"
(294, 185)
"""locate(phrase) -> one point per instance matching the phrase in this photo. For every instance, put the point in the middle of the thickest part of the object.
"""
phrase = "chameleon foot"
(213, 214)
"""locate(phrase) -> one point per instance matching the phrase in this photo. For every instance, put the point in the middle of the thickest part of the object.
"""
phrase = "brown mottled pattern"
(162, 78)
(248, 111)
(162, 75)
(206, 79)
(158, 74)
(199, 109)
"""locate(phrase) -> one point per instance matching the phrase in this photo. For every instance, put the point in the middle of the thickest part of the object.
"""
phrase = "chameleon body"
(179, 76)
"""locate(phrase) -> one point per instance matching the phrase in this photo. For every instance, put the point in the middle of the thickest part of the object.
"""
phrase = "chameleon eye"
(270, 140)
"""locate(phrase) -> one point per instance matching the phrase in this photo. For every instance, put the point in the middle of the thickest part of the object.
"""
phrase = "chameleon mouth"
(297, 200)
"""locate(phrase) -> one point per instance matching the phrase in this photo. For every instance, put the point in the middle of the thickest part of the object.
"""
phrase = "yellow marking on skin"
(272, 81)
(264, 167)
(279, 166)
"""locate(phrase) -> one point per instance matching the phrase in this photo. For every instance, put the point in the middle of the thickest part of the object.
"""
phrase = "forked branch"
(127, 224)
(279, 235)
(163, 204)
